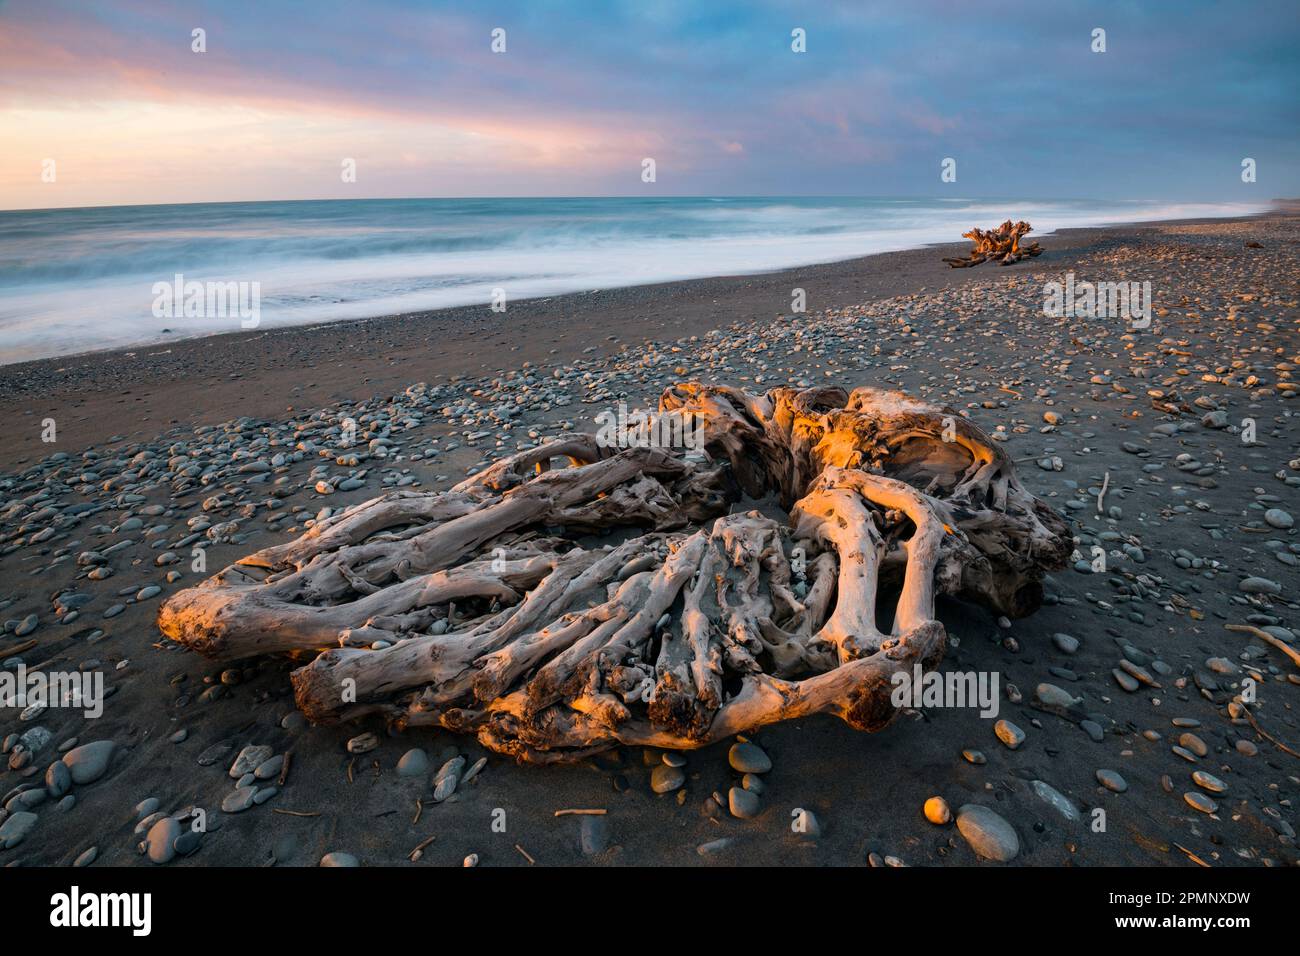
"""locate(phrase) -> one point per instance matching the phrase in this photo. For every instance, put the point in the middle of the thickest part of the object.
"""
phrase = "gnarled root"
(1000, 245)
(468, 610)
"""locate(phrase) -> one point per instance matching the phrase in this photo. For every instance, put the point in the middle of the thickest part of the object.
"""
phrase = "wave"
(84, 279)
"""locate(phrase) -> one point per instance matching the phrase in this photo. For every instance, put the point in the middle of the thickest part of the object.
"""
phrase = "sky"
(586, 90)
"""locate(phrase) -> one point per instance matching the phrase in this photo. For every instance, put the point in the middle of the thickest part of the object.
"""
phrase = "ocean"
(78, 280)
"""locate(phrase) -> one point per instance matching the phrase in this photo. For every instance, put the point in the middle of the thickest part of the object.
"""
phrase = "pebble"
(1059, 801)
(339, 859)
(239, 800)
(447, 779)
(58, 779)
(988, 834)
(89, 762)
(414, 763)
(1194, 743)
(1111, 780)
(1208, 781)
(1065, 643)
(1199, 801)
(1009, 734)
(748, 758)
(1278, 518)
(249, 759)
(15, 828)
(161, 839)
(744, 804)
(666, 779)
(937, 811)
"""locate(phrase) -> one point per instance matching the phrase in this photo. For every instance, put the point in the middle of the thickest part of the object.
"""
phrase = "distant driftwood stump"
(647, 595)
(1000, 245)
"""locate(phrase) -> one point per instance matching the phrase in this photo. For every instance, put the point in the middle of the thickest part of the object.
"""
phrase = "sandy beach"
(1195, 522)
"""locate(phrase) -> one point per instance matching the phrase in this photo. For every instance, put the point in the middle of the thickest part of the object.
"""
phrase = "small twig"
(419, 811)
(18, 649)
(414, 855)
(530, 860)
(1192, 856)
(295, 813)
(1267, 638)
(1105, 485)
(580, 813)
(284, 768)
(350, 765)
(1265, 734)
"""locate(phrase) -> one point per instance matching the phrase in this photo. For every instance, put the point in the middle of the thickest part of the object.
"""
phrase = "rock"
(1246, 748)
(1278, 518)
(748, 758)
(187, 844)
(1065, 643)
(249, 759)
(937, 811)
(988, 834)
(1009, 734)
(414, 763)
(89, 762)
(666, 779)
(339, 859)
(1111, 780)
(1058, 800)
(1208, 781)
(159, 843)
(27, 625)
(975, 757)
(447, 779)
(1054, 699)
(58, 779)
(15, 829)
(714, 846)
(1194, 743)
(86, 858)
(1255, 585)
(239, 800)
(1199, 801)
(744, 804)
(269, 769)
(214, 753)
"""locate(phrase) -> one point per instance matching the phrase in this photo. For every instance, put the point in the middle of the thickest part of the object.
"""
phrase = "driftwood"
(1000, 245)
(649, 595)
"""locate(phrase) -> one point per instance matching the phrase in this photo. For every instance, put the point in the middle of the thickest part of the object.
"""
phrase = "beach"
(1195, 522)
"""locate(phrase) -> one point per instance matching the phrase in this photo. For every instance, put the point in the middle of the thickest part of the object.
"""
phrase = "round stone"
(988, 834)
(414, 763)
(666, 779)
(1111, 780)
(1208, 781)
(89, 762)
(748, 758)
(339, 859)
(1278, 518)
(1200, 801)
(1009, 734)
(743, 803)
(937, 811)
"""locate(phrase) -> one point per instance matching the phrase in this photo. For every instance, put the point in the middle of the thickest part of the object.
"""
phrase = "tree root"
(558, 611)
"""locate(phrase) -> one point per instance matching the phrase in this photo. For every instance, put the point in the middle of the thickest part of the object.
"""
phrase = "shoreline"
(133, 391)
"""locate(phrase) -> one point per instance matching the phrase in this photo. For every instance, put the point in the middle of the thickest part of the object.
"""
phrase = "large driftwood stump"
(647, 595)
(1000, 245)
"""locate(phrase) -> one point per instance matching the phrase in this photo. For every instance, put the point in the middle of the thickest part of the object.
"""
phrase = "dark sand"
(973, 338)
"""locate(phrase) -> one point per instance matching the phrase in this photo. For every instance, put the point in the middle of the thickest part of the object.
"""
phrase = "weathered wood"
(1000, 245)
(699, 624)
